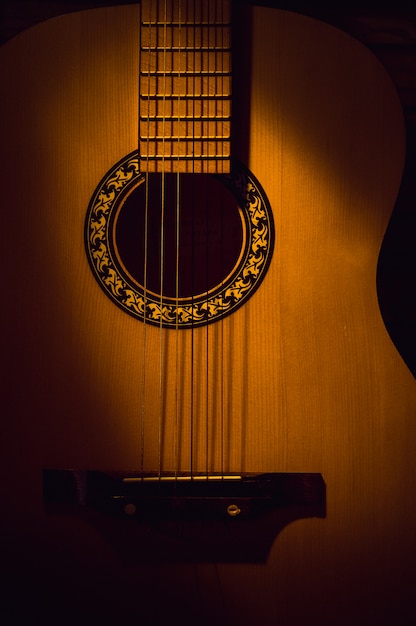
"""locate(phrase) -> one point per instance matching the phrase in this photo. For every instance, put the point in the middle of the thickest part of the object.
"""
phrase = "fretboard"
(185, 86)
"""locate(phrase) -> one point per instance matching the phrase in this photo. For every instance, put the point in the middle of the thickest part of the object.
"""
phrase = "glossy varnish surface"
(304, 377)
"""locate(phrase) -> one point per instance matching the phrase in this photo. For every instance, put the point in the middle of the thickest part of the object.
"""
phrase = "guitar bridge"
(198, 517)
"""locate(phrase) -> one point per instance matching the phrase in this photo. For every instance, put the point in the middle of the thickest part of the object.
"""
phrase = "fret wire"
(183, 145)
(187, 73)
(189, 157)
(191, 25)
(187, 96)
(177, 87)
(167, 142)
(197, 39)
(184, 119)
(147, 49)
(172, 128)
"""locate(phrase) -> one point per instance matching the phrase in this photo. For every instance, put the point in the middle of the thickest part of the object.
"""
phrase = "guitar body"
(302, 378)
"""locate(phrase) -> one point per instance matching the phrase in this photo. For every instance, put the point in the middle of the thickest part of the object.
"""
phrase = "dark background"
(390, 32)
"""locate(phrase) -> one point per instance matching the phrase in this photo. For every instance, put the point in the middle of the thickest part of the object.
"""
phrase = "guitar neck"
(185, 86)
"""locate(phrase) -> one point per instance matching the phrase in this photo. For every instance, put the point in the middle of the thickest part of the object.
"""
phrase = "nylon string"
(162, 248)
(177, 278)
(145, 264)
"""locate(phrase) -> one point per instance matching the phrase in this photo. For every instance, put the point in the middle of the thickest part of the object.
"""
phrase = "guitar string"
(221, 43)
(145, 234)
(225, 44)
(210, 29)
(177, 243)
(216, 67)
(225, 18)
(218, 37)
(192, 377)
(205, 20)
(205, 149)
(162, 251)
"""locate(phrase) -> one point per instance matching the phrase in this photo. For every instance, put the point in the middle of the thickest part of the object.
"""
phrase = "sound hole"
(185, 257)
(197, 272)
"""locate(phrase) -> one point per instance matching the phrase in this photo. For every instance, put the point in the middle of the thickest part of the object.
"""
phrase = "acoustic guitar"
(189, 293)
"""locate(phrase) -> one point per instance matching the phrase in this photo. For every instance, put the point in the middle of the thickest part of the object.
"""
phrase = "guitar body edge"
(302, 378)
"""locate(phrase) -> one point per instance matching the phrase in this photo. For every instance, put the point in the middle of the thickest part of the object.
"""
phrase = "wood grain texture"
(303, 378)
